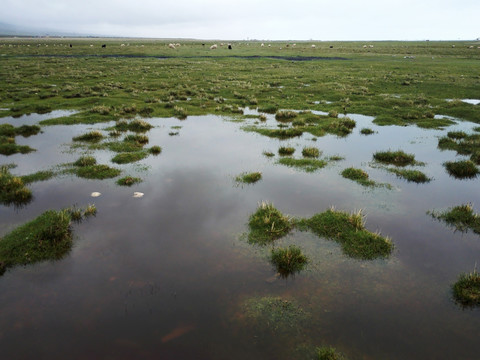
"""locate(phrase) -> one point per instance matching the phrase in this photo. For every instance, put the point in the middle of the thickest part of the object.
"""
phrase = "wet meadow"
(269, 201)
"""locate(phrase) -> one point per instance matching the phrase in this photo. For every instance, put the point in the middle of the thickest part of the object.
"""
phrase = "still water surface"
(166, 276)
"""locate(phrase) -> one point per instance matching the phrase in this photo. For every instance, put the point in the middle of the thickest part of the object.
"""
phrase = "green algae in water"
(274, 315)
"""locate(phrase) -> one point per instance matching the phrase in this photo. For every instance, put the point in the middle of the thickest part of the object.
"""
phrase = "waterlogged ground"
(169, 275)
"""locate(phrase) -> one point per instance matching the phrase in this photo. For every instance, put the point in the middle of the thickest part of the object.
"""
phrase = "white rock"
(95, 194)
(137, 194)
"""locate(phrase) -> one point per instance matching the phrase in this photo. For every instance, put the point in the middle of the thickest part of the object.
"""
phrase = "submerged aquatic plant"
(268, 224)
(99, 172)
(274, 315)
(288, 261)
(466, 291)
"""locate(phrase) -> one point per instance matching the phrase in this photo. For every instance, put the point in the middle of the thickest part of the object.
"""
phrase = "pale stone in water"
(95, 194)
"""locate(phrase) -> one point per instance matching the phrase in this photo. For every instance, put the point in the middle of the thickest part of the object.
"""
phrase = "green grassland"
(397, 82)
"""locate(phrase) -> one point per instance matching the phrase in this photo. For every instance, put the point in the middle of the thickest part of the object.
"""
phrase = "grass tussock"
(99, 172)
(359, 176)
(249, 178)
(461, 217)
(268, 224)
(128, 181)
(415, 176)
(463, 169)
(466, 290)
(129, 157)
(38, 176)
(285, 115)
(397, 158)
(12, 189)
(328, 353)
(136, 125)
(288, 261)
(48, 237)
(286, 150)
(349, 230)
(310, 152)
(92, 136)
(155, 150)
(307, 164)
(85, 161)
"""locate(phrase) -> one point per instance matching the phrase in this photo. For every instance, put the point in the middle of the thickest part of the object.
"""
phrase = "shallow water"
(165, 275)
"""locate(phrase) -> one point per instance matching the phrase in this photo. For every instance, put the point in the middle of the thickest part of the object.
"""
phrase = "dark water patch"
(248, 57)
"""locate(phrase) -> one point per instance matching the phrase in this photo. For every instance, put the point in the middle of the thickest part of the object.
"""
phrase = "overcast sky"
(253, 19)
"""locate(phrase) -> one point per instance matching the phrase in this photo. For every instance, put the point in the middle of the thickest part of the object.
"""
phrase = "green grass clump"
(310, 152)
(128, 181)
(269, 109)
(155, 150)
(466, 291)
(288, 261)
(85, 161)
(475, 157)
(308, 165)
(276, 133)
(463, 169)
(285, 115)
(129, 157)
(358, 176)
(8, 130)
(398, 158)
(99, 172)
(136, 125)
(38, 176)
(329, 353)
(268, 154)
(137, 138)
(249, 178)
(92, 136)
(48, 237)
(267, 224)
(286, 150)
(460, 142)
(12, 189)
(349, 230)
(8, 146)
(367, 131)
(460, 217)
(411, 175)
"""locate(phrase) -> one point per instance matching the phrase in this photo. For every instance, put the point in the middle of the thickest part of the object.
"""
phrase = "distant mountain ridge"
(20, 30)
